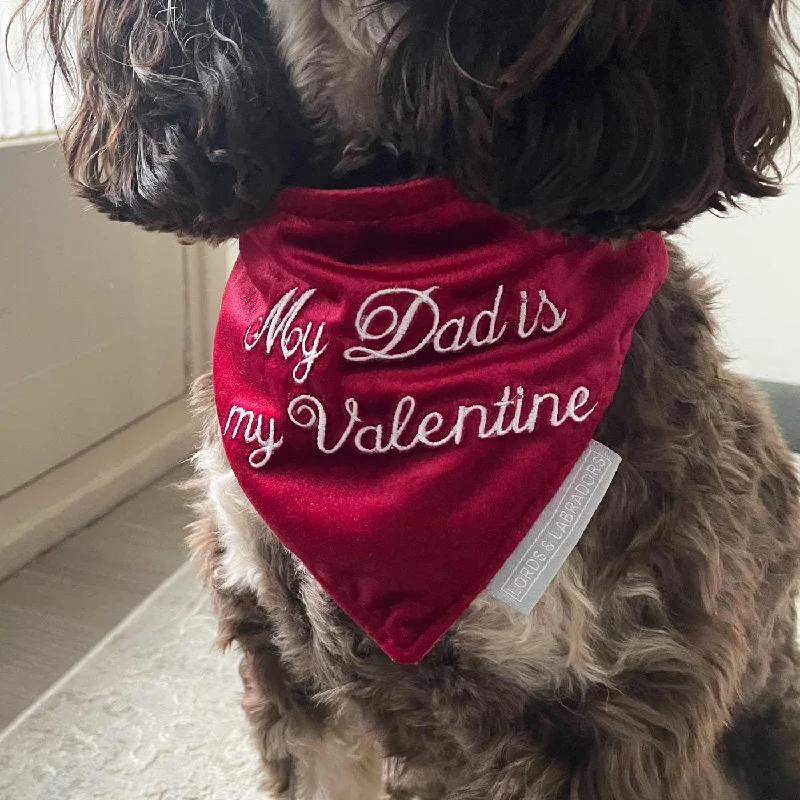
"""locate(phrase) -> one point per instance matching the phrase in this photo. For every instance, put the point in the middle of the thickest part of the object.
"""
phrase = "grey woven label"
(522, 580)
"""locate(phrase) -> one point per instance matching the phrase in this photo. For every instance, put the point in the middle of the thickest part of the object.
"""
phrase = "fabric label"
(529, 570)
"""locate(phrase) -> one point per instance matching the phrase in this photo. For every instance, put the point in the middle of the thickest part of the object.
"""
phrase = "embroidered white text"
(253, 434)
(407, 430)
(279, 323)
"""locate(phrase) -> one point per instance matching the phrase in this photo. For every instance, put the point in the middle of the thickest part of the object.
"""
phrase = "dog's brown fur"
(661, 664)
(669, 632)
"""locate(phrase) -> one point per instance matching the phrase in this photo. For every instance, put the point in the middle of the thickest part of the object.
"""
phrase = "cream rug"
(152, 713)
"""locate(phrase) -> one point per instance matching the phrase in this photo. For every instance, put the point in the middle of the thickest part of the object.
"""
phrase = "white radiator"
(25, 87)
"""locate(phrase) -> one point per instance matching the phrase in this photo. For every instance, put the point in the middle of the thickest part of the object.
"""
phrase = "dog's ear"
(185, 120)
(604, 116)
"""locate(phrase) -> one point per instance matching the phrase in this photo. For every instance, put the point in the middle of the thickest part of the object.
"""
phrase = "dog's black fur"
(605, 116)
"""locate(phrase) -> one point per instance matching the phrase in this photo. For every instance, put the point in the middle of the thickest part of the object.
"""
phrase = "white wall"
(91, 318)
(101, 327)
(754, 257)
(25, 84)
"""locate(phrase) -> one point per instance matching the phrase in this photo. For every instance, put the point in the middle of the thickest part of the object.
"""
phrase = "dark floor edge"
(785, 399)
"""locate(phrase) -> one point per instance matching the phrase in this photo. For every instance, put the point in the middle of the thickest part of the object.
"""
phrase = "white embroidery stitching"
(277, 323)
(544, 301)
(307, 411)
(398, 326)
(306, 403)
(253, 434)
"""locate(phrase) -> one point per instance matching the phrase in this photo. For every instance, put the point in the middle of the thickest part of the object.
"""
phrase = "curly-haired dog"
(661, 663)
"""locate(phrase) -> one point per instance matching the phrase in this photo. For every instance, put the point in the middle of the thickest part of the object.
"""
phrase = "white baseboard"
(42, 513)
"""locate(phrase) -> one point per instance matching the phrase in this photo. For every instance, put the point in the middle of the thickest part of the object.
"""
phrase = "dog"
(661, 662)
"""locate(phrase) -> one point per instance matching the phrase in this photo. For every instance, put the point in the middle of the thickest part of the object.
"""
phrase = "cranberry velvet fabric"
(403, 380)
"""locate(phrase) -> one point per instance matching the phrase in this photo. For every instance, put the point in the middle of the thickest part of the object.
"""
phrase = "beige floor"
(53, 611)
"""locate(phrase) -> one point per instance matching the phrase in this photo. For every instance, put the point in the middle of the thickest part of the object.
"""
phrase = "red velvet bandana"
(405, 378)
